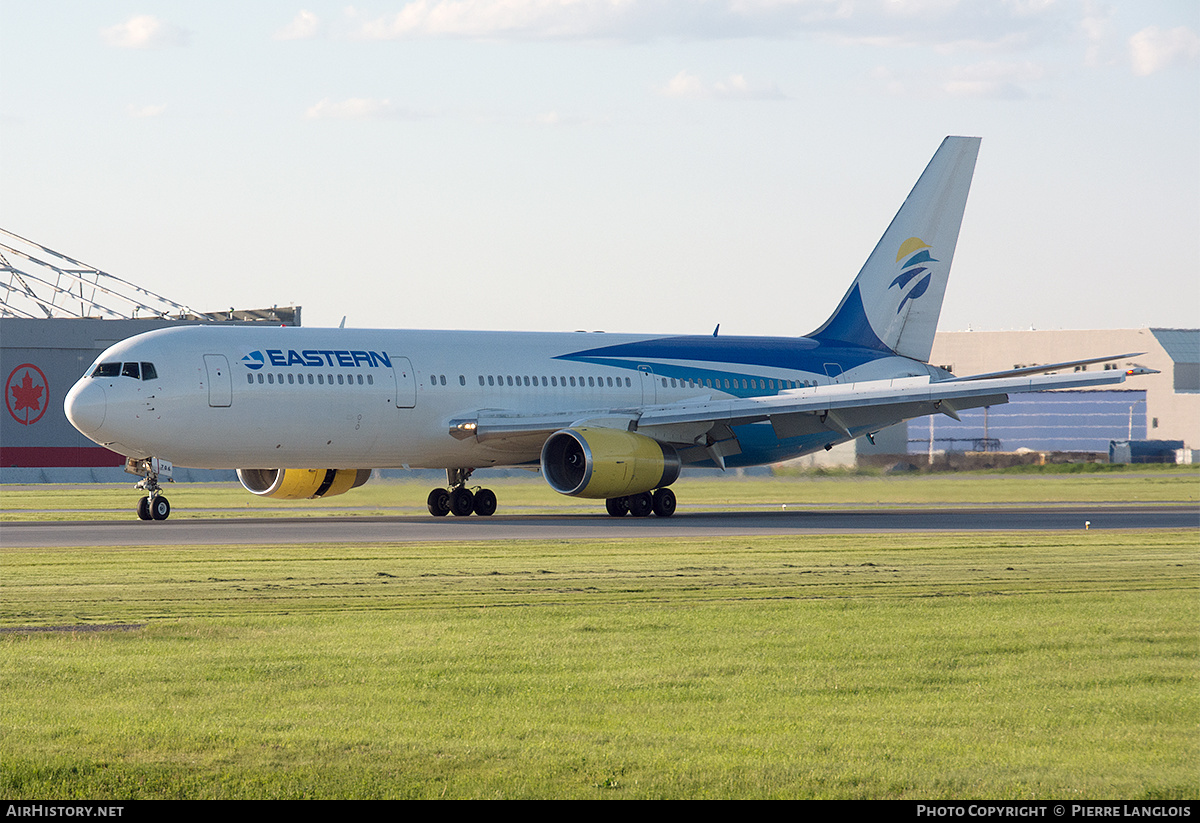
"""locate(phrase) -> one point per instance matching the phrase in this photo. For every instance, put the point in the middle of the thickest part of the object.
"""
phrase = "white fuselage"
(287, 397)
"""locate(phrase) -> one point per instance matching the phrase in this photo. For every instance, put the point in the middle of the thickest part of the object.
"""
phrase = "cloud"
(143, 32)
(145, 112)
(305, 26)
(355, 108)
(994, 80)
(517, 19)
(735, 88)
(554, 119)
(991, 80)
(1154, 49)
(924, 23)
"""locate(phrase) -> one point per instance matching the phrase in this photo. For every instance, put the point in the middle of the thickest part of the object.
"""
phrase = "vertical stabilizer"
(894, 303)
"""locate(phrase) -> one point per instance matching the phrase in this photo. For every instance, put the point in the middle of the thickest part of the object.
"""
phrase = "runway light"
(1087, 524)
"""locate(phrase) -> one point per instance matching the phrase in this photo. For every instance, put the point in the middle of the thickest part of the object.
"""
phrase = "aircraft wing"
(844, 409)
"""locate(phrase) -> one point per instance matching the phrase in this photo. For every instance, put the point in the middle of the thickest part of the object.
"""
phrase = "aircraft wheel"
(160, 509)
(143, 509)
(664, 502)
(485, 502)
(617, 506)
(640, 505)
(438, 502)
(462, 502)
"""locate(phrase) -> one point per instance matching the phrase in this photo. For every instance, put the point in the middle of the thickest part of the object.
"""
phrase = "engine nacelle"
(301, 484)
(604, 463)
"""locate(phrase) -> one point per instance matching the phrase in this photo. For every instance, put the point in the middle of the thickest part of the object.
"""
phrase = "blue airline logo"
(917, 252)
(316, 358)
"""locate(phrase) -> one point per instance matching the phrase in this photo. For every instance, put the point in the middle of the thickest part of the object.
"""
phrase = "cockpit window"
(138, 371)
(107, 370)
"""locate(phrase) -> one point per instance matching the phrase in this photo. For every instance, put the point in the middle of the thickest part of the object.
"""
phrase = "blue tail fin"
(894, 303)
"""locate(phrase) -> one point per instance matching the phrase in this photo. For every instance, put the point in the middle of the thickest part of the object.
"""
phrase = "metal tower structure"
(40, 282)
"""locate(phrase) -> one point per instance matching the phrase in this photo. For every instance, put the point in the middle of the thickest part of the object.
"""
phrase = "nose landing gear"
(154, 506)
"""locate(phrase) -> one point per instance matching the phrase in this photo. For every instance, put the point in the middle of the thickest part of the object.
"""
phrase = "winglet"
(894, 303)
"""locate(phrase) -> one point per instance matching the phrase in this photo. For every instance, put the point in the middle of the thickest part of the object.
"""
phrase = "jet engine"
(607, 463)
(301, 484)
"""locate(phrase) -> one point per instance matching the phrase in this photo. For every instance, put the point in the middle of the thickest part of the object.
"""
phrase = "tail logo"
(914, 251)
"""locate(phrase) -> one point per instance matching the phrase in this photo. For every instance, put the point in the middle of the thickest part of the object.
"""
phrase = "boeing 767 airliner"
(304, 413)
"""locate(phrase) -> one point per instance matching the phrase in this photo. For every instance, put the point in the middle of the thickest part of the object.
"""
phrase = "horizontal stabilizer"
(1049, 367)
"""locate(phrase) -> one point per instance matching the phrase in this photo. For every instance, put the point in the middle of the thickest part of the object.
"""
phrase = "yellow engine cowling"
(301, 484)
(604, 463)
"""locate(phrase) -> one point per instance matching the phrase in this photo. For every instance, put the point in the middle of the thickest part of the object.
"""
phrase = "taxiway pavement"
(351, 530)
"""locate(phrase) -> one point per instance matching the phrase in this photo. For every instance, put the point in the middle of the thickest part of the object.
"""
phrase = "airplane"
(613, 417)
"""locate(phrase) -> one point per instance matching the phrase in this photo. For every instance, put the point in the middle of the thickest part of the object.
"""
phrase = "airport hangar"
(58, 314)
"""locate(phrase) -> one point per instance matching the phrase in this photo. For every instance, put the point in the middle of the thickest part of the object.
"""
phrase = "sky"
(622, 165)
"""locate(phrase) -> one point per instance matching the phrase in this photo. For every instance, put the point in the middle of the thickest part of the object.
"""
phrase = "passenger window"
(249, 378)
(340, 380)
(360, 380)
(370, 380)
(271, 379)
(491, 381)
(462, 380)
(131, 370)
(149, 372)
(291, 379)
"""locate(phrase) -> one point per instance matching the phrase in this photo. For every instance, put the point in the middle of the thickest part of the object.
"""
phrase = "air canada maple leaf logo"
(25, 394)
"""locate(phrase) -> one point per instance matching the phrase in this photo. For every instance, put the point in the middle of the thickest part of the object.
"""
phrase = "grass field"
(989, 665)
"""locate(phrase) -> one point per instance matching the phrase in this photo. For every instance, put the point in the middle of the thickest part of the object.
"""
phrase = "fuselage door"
(406, 383)
(220, 384)
(649, 390)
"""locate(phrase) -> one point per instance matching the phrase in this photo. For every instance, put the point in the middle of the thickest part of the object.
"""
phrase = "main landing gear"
(154, 506)
(662, 503)
(458, 499)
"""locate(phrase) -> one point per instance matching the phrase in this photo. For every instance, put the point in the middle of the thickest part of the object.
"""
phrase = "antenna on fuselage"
(342, 325)
(717, 329)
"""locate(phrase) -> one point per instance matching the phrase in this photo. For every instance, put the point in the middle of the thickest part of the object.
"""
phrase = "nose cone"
(85, 406)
